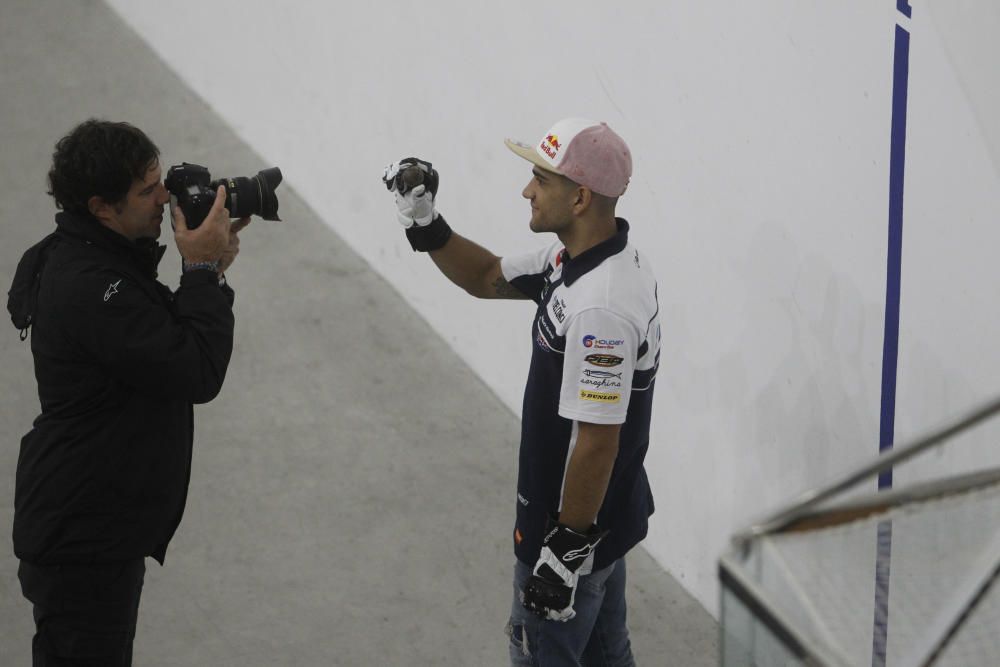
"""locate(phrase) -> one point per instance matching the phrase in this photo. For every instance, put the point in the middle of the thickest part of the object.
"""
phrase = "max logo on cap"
(550, 145)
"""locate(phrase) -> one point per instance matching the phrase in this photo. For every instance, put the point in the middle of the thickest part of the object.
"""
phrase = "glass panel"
(746, 641)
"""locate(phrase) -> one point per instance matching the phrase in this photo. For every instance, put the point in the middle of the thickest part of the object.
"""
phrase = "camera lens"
(246, 196)
(267, 181)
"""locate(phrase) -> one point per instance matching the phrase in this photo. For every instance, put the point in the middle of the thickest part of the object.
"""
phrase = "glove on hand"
(415, 183)
(566, 554)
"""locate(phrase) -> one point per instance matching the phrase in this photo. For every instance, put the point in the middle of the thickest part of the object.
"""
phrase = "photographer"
(102, 476)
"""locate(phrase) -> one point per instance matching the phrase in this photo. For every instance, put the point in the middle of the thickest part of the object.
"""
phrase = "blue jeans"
(596, 636)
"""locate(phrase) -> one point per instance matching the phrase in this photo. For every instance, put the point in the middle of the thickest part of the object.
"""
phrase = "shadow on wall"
(808, 381)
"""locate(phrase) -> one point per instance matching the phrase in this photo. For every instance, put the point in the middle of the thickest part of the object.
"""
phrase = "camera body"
(194, 189)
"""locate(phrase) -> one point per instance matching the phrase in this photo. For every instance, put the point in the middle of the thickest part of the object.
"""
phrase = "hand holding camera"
(233, 249)
(197, 201)
(194, 189)
(206, 243)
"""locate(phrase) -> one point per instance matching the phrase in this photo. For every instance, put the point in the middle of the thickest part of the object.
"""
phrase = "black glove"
(565, 555)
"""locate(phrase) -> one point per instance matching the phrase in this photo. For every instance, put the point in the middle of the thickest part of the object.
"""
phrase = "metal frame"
(806, 513)
(806, 503)
(750, 594)
(885, 501)
(954, 611)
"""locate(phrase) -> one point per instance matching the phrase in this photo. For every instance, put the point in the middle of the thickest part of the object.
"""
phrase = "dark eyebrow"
(539, 174)
(152, 186)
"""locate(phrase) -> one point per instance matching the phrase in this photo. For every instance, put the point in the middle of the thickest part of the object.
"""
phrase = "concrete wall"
(761, 141)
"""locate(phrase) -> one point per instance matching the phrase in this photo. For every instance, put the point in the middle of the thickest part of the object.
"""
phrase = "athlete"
(583, 499)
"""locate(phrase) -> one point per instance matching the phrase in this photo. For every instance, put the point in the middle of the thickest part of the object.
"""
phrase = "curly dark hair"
(101, 158)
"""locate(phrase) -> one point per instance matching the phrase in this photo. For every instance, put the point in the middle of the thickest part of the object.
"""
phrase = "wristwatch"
(211, 266)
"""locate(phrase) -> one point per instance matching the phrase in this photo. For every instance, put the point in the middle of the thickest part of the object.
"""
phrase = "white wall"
(761, 141)
(949, 319)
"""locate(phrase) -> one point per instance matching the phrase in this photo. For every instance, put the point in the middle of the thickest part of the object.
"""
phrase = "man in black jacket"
(102, 476)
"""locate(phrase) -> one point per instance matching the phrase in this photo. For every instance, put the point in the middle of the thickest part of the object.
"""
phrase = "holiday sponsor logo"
(602, 343)
(605, 360)
(599, 396)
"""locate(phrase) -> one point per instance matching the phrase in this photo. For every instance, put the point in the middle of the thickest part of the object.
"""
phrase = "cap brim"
(528, 153)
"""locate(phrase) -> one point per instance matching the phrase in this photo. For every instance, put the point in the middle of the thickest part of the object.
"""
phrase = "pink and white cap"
(584, 151)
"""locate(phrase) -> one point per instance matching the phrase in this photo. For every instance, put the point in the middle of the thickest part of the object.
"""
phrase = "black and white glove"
(566, 554)
(414, 182)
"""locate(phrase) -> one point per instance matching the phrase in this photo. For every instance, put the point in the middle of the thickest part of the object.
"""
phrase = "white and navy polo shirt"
(596, 350)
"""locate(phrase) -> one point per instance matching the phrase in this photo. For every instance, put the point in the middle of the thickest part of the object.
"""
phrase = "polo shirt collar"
(591, 258)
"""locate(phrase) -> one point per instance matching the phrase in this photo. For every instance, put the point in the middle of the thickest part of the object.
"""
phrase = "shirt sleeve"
(526, 272)
(140, 341)
(601, 350)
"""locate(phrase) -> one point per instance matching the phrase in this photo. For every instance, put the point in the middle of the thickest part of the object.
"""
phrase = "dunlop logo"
(599, 396)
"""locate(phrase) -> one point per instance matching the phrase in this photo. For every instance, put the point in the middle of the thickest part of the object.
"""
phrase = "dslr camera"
(195, 191)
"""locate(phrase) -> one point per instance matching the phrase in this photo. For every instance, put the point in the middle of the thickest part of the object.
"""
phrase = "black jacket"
(119, 359)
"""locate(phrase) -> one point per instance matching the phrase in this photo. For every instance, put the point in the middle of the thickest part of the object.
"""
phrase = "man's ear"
(584, 198)
(98, 207)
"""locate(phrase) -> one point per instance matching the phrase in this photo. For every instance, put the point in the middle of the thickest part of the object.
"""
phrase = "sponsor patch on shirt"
(602, 343)
(544, 326)
(599, 379)
(605, 360)
(559, 309)
(599, 383)
(591, 373)
(599, 396)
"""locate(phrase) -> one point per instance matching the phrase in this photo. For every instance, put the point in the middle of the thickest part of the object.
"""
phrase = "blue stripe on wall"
(883, 560)
(890, 347)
